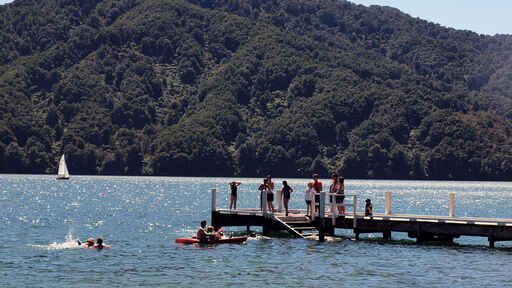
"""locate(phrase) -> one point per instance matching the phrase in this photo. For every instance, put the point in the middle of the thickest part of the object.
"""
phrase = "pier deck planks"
(422, 227)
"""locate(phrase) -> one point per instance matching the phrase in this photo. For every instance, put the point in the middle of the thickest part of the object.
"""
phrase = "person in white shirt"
(309, 197)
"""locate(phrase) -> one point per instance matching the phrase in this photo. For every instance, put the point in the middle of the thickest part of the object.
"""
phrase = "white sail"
(63, 172)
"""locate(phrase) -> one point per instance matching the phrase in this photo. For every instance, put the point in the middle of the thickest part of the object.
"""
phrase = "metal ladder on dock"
(297, 225)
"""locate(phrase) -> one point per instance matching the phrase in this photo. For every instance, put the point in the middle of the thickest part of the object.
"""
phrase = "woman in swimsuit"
(234, 189)
(340, 190)
(270, 197)
(287, 190)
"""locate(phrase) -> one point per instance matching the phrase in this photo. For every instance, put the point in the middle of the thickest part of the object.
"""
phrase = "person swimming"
(89, 243)
(99, 244)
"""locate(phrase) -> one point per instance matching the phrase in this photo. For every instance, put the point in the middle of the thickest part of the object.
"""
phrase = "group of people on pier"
(315, 187)
(312, 190)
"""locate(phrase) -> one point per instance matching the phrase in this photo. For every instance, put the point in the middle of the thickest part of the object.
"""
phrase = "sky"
(484, 17)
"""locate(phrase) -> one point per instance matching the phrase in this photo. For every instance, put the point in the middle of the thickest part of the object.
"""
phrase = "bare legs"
(233, 202)
(286, 200)
(270, 206)
(309, 210)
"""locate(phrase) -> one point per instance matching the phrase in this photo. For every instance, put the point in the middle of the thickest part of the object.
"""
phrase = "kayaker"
(99, 244)
(202, 234)
(212, 234)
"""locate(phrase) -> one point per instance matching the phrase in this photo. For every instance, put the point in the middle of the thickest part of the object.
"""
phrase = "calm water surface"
(41, 218)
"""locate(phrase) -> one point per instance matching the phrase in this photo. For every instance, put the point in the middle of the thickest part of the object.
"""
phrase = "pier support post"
(321, 214)
(264, 203)
(386, 235)
(214, 199)
(388, 203)
(279, 200)
(452, 204)
(491, 241)
(265, 230)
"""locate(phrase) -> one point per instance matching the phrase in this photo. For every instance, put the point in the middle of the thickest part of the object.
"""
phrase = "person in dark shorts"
(332, 189)
(340, 197)
(234, 191)
(270, 197)
(317, 188)
(286, 191)
(263, 191)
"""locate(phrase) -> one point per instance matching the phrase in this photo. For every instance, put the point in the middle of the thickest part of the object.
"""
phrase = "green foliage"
(250, 87)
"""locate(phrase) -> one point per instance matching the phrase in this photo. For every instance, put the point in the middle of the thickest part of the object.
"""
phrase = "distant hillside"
(250, 87)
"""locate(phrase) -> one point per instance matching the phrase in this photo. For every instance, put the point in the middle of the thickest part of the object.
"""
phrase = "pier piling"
(452, 204)
(422, 227)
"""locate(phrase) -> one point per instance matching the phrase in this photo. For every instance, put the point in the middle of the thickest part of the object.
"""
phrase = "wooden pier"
(421, 227)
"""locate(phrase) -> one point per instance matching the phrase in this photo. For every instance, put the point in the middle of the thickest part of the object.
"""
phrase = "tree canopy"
(250, 87)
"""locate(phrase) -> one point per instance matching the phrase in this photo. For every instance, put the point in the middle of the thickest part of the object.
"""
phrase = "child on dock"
(309, 197)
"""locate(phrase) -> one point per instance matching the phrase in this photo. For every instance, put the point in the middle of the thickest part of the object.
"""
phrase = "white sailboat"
(63, 173)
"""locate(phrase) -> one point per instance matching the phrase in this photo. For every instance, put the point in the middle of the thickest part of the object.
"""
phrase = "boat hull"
(240, 239)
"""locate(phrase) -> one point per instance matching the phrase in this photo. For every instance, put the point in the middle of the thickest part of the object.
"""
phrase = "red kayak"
(240, 239)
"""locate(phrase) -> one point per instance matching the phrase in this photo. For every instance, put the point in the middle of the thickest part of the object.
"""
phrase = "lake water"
(140, 217)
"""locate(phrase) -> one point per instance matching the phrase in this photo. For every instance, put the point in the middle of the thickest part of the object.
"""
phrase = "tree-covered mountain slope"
(250, 87)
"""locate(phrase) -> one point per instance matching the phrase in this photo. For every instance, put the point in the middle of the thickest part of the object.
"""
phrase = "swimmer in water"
(99, 244)
(89, 243)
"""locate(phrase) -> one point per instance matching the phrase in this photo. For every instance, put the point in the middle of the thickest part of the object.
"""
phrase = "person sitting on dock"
(202, 233)
(234, 189)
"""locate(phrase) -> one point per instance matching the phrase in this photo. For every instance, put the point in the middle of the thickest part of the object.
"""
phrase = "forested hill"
(250, 87)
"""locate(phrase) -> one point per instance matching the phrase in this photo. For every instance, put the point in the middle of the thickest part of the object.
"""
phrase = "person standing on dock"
(332, 190)
(317, 187)
(309, 197)
(263, 195)
(269, 182)
(234, 191)
(340, 190)
(270, 196)
(286, 192)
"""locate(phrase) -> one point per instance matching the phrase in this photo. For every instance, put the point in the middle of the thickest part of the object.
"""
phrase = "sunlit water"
(140, 217)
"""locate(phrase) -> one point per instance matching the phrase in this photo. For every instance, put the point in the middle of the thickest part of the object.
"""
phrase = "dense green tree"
(250, 87)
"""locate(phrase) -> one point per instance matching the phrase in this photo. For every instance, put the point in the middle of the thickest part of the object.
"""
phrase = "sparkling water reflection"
(141, 216)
